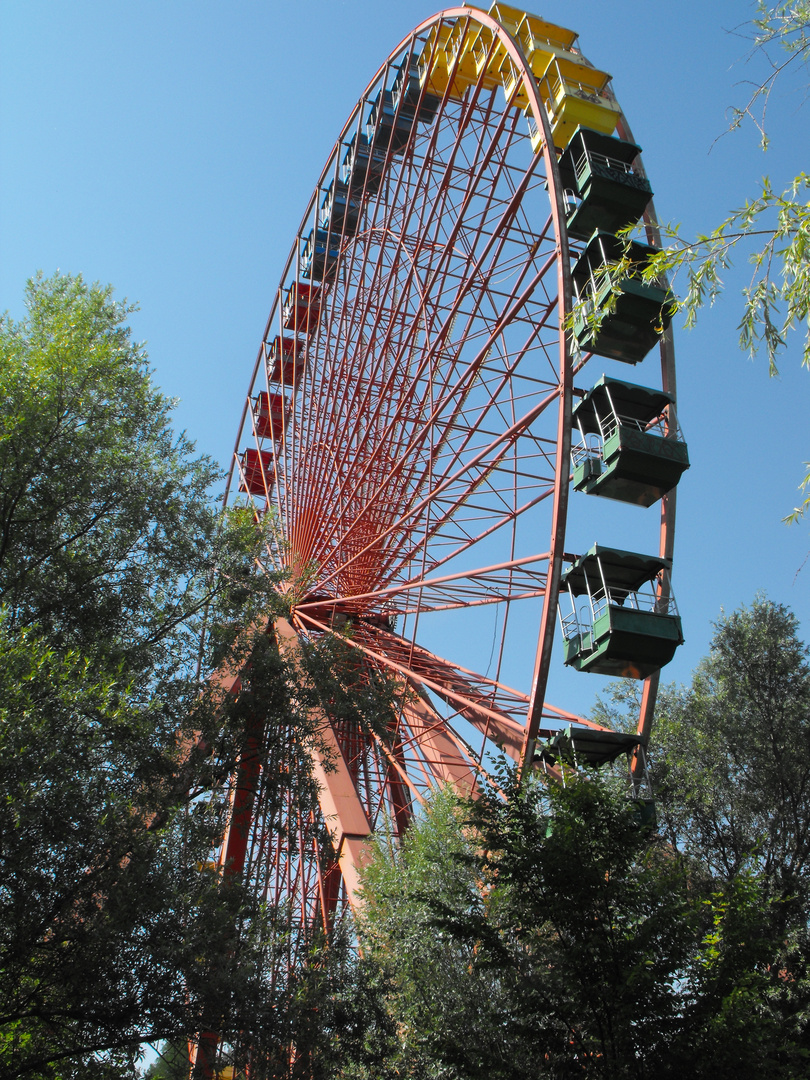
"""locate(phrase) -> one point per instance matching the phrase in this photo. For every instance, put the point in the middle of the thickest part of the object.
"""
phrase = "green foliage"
(104, 913)
(775, 229)
(429, 981)
(778, 223)
(777, 299)
(111, 558)
(731, 767)
(340, 1027)
(170, 1064)
(603, 915)
(748, 1007)
(540, 936)
(108, 537)
(732, 754)
(546, 935)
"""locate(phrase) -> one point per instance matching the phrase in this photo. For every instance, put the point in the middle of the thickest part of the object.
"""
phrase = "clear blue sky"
(169, 147)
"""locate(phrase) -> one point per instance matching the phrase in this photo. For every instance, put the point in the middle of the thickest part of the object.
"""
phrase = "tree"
(444, 1009)
(730, 765)
(120, 584)
(731, 755)
(170, 1064)
(109, 540)
(338, 1014)
(546, 934)
(111, 554)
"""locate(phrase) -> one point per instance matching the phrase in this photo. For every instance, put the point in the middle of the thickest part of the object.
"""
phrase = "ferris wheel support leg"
(203, 1055)
(330, 881)
(343, 812)
(343, 809)
(234, 847)
(341, 806)
(232, 858)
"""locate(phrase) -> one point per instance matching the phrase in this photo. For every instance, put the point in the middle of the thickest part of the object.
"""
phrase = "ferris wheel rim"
(564, 290)
(308, 614)
(423, 736)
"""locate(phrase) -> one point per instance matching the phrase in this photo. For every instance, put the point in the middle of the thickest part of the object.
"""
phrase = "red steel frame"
(429, 421)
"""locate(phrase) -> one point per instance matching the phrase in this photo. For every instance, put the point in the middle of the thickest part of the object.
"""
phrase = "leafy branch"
(772, 229)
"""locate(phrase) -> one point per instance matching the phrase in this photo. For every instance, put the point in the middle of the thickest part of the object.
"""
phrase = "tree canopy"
(111, 554)
(548, 935)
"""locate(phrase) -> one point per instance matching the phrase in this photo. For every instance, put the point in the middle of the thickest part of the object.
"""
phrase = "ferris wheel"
(446, 356)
